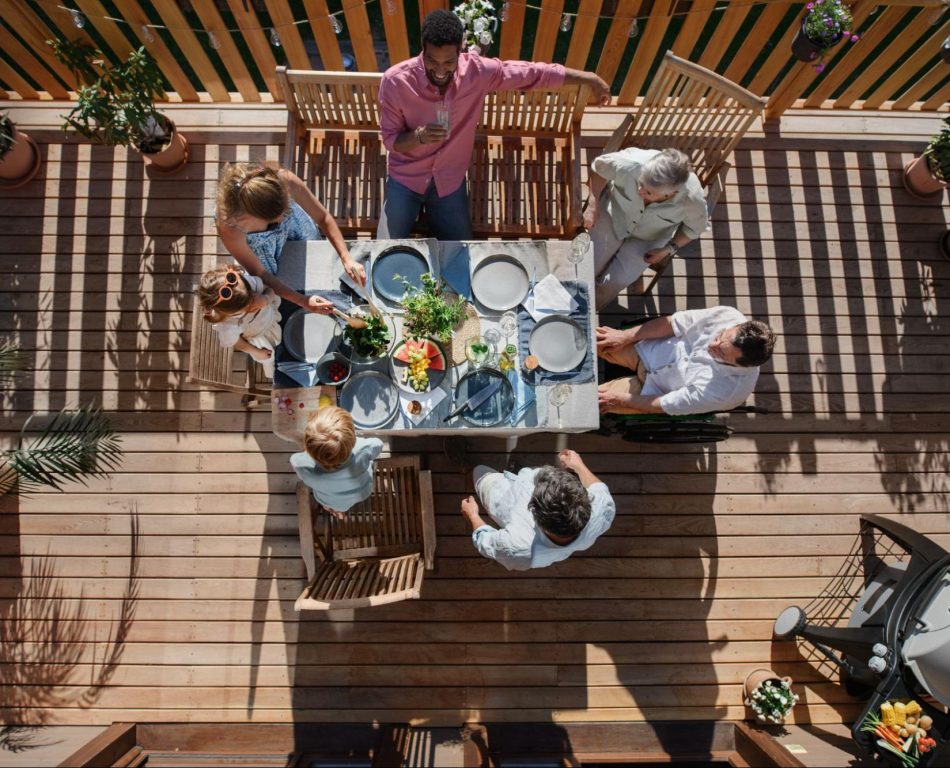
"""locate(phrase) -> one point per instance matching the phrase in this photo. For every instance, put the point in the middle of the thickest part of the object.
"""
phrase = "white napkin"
(429, 401)
(549, 297)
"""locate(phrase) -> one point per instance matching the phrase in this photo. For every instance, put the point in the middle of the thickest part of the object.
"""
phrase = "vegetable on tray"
(901, 730)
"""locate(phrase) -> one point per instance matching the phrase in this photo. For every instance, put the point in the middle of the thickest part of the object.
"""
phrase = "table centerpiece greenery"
(429, 311)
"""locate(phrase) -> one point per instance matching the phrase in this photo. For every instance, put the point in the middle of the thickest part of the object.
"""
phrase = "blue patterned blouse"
(267, 245)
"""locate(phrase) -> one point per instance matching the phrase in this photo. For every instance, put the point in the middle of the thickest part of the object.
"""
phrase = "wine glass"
(558, 396)
(508, 324)
(479, 351)
(579, 246)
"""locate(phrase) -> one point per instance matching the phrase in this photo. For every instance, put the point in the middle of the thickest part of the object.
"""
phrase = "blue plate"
(496, 408)
(399, 260)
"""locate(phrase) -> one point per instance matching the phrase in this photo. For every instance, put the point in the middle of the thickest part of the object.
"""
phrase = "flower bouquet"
(771, 699)
(479, 22)
(825, 24)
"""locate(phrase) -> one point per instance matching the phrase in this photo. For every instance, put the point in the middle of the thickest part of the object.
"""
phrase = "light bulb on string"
(337, 24)
(566, 21)
(503, 13)
(213, 41)
(634, 29)
(274, 38)
(147, 34)
(79, 21)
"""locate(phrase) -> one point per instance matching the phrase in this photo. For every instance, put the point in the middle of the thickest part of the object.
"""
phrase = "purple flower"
(829, 23)
(811, 6)
(819, 67)
(854, 38)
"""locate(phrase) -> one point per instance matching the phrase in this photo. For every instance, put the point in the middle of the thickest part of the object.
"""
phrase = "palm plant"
(12, 362)
(73, 445)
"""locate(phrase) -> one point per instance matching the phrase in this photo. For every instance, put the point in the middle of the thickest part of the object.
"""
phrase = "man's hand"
(433, 133)
(600, 89)
(356, 272)
(655, 256)
(608, 400)
(470, 511)
(318, 305)
(590, 212)
(570, 460)
(610, 338)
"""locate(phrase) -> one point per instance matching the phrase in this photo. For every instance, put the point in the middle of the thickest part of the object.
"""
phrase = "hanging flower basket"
(769, 695)
(825, 24)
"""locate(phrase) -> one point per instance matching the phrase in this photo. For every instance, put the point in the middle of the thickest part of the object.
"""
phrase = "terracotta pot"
(919, 181)
(172, 158)
(758, 676)
(21, 164)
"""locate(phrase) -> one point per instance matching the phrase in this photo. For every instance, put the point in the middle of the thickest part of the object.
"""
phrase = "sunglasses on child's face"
(226, 292)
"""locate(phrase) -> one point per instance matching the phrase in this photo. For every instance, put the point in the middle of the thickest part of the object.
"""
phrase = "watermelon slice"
(431, 349)
(437, 363)
(403, 353)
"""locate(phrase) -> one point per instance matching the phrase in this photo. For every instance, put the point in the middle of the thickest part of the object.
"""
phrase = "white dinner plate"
(308, 336)
(371, 398)
(559, 343)
(500, 282)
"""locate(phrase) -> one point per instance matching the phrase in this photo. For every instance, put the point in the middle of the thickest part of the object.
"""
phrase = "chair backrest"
(341, 101)
(553, 113)
(397, 519)
(693, 109)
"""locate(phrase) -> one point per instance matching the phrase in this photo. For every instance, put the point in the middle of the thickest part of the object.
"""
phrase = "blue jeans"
(448, 217)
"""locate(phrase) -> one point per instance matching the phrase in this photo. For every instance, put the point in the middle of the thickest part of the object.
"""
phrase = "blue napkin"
(305, 374)
(457, 272)
(524, 396)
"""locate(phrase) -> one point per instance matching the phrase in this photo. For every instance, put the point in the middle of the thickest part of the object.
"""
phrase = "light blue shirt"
(267, 245)
(344, 486)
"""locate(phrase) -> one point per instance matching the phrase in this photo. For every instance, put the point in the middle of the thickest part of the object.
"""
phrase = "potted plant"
(825, 24)
(929, 174)
(429, 311)
(769, 695)
(20, 158)
(116, 106)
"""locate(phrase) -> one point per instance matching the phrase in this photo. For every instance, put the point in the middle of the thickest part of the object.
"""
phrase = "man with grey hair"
(644, 205)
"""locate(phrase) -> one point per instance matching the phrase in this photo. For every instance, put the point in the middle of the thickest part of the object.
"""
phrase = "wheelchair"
(660, 427)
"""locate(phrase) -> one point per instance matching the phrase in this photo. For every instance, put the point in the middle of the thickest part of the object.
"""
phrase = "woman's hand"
(260, 354)
(356, 272)
(318, 304)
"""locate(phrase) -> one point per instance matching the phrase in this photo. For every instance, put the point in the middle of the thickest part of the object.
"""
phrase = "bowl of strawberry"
(333, 369)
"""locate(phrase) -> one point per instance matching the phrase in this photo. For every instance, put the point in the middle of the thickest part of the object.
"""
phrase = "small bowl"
(323, 368)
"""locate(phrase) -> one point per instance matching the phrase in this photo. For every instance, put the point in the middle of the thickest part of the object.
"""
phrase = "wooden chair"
(334, 144)
(524, 179)
(211, 364)
(380, 551)
(692, 109)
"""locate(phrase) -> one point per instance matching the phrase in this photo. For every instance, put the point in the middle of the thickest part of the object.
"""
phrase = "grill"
(884, 622)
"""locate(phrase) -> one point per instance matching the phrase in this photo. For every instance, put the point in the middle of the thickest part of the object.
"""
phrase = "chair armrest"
(427, 508)
(716, 186)
(619, 136)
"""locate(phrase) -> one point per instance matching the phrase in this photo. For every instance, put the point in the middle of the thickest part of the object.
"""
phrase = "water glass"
(442, 116)
(558, 396)
(479, 351)
(508, 324)
(579, 246)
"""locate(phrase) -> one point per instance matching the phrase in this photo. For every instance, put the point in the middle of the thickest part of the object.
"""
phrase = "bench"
(524, 180)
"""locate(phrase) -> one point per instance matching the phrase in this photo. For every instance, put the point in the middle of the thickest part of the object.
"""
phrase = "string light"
(147, 34)
(337, 24)
(566, 21)
(503, 13)
(634, 29)
(79, 21)
(213, 41)
(274, 38)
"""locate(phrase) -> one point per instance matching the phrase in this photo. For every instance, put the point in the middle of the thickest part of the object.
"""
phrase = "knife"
(477, 399)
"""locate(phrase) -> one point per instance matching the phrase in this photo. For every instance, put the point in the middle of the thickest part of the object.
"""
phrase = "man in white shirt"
(546, 514)
(695, 361)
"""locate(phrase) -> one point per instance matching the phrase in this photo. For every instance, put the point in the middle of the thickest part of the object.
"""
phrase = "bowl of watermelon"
(417, 365)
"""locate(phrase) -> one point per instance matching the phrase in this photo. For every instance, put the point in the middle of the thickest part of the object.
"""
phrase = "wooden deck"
(661, 620)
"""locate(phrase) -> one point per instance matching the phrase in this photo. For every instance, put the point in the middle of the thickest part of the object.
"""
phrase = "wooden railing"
(227, 50)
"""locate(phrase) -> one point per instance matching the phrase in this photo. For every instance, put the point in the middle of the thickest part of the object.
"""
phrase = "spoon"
(353, 322)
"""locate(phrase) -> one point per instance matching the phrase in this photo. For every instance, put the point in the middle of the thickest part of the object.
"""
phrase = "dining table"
(313, 267)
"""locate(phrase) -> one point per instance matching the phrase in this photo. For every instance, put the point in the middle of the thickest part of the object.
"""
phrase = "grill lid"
(926, 651)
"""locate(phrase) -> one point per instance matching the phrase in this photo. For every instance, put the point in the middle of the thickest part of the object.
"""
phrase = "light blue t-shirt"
(267, 245)
(344, 486)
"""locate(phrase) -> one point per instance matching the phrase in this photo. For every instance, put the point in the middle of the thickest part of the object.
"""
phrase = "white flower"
(474, 49)
(479, 25)
(485, 38)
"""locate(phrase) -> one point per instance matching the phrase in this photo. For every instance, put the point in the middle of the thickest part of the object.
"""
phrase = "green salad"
(371, 341)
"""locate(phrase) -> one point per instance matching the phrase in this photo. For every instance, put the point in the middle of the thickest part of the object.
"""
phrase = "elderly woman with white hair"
(644, 205)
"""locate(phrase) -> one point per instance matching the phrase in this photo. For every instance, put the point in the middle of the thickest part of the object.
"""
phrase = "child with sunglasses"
(245, 313)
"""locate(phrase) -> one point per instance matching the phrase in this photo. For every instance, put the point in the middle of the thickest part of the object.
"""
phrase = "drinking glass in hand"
(579, 246)
(442, 116)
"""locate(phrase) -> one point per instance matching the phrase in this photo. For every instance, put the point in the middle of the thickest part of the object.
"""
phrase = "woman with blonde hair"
(260, 206)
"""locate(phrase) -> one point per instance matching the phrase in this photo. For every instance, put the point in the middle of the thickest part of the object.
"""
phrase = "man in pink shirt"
(430, 107)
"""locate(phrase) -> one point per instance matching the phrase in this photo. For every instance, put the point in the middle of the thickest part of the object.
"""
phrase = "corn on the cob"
(888, 716)
(913, 709)
(900, 713)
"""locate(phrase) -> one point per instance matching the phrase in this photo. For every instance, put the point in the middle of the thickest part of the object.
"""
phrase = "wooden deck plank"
(666, 613)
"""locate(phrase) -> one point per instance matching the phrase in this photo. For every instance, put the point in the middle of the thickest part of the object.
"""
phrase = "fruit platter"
(417, 365)
(900, 731)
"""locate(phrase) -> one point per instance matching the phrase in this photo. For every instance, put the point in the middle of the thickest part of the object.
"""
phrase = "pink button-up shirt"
(409, 100)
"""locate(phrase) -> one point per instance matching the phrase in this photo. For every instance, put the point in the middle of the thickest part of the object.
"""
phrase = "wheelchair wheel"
(675, 432)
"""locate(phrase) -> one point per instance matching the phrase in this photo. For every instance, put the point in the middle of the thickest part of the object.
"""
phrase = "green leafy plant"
(827, 21)
(938, 153)
(116, 104)
(6, 134)
(12, 361)
(73, 445)
(371, 341)
(427, 311)
(772, 701)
